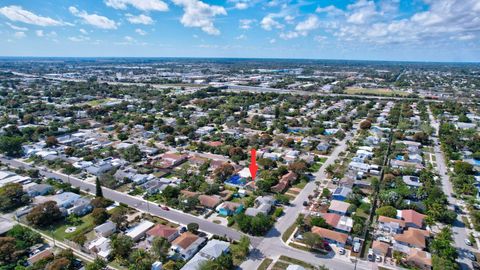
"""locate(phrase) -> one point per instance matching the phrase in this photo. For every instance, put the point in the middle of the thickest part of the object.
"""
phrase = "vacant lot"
(374, 91)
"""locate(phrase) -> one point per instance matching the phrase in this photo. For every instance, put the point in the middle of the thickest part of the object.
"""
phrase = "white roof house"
(212, 250)
(139, 231)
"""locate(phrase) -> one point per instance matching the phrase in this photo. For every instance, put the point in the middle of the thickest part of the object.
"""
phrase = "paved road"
(140, 204)
(460, 232)
(255, 89)
(272, 245)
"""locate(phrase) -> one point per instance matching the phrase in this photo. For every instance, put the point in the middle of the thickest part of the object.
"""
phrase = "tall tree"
(98, 188)
(160, 247)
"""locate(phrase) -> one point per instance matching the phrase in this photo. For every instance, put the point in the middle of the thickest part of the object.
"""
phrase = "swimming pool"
(236, 181)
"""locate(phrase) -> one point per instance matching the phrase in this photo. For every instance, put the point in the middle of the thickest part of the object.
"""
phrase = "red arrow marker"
(253, 164)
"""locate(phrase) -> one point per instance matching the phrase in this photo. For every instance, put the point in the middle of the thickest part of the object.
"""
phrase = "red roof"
(412, 216)
(331, 235)
(162, 231)
(332, 219)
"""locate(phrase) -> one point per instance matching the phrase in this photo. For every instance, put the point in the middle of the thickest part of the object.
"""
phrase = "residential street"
(460, 233)
(175, 216)
(272, 246)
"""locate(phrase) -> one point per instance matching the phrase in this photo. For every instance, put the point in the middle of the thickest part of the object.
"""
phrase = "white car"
(467, 242)
(341, 251)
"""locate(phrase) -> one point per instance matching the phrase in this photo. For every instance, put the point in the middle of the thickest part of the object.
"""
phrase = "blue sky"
(419, 30)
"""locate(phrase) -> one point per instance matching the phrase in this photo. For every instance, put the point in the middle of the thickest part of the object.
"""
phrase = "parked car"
(371, 256)
(467, 242)
(378, 258)
(341, 251)
(470, 255)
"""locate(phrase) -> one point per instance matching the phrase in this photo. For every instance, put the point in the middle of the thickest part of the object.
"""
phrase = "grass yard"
(265, 264)
(280, 265)
(296, 261)
(374, 91)
(288, 232)
(59, 229)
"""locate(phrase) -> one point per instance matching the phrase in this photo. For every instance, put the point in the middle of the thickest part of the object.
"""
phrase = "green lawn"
(374, 91)
(59, 229)
(265, 263)
(280, 265)
(296, 261)
(289, 232)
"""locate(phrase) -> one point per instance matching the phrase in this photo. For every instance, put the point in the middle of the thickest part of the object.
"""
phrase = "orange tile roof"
(209, 201)
(185, 240)
(414, 237)
(329, 234)
(419, 257)
(332, 219)
(382, 247)
(412, 216)
(389, 219)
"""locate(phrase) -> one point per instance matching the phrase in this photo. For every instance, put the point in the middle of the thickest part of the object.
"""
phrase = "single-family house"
(412, 181)
(42, 255)
(139, 231)
(390, 225)
(285, 182)
(212, 250)
(419, 259)
(101, 247)
(333, 237)
(413, 238)
(262, 204)
(339, 207)
(338, 222)
(358, 166)
(341, 193)
(187, 244)
(229, 208)
(209, 201)
(412, 218)
(106, 229)
(160, 230)
(35, 189)
(380, 248)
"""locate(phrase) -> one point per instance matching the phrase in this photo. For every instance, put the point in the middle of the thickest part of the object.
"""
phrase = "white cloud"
(465, 37)
(19, 35)
(330, 10)
(140, 32)
(246, 23)
(79, 38)
(320, 38)
(140, 19)
(241, 5)
(302, 28)
(199, 14)
(443, 20)
(18, 14)
(272, 41)
(362, 12)
(39, 33)
(268, 23)
(311, 23)
(83, 31)
(17, 28)
(145, 5)
(241, 37)
(94, 19)
(289, 19)
(290, 35)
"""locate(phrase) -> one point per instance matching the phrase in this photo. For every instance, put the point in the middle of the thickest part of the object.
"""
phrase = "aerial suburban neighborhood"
(173, 164)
